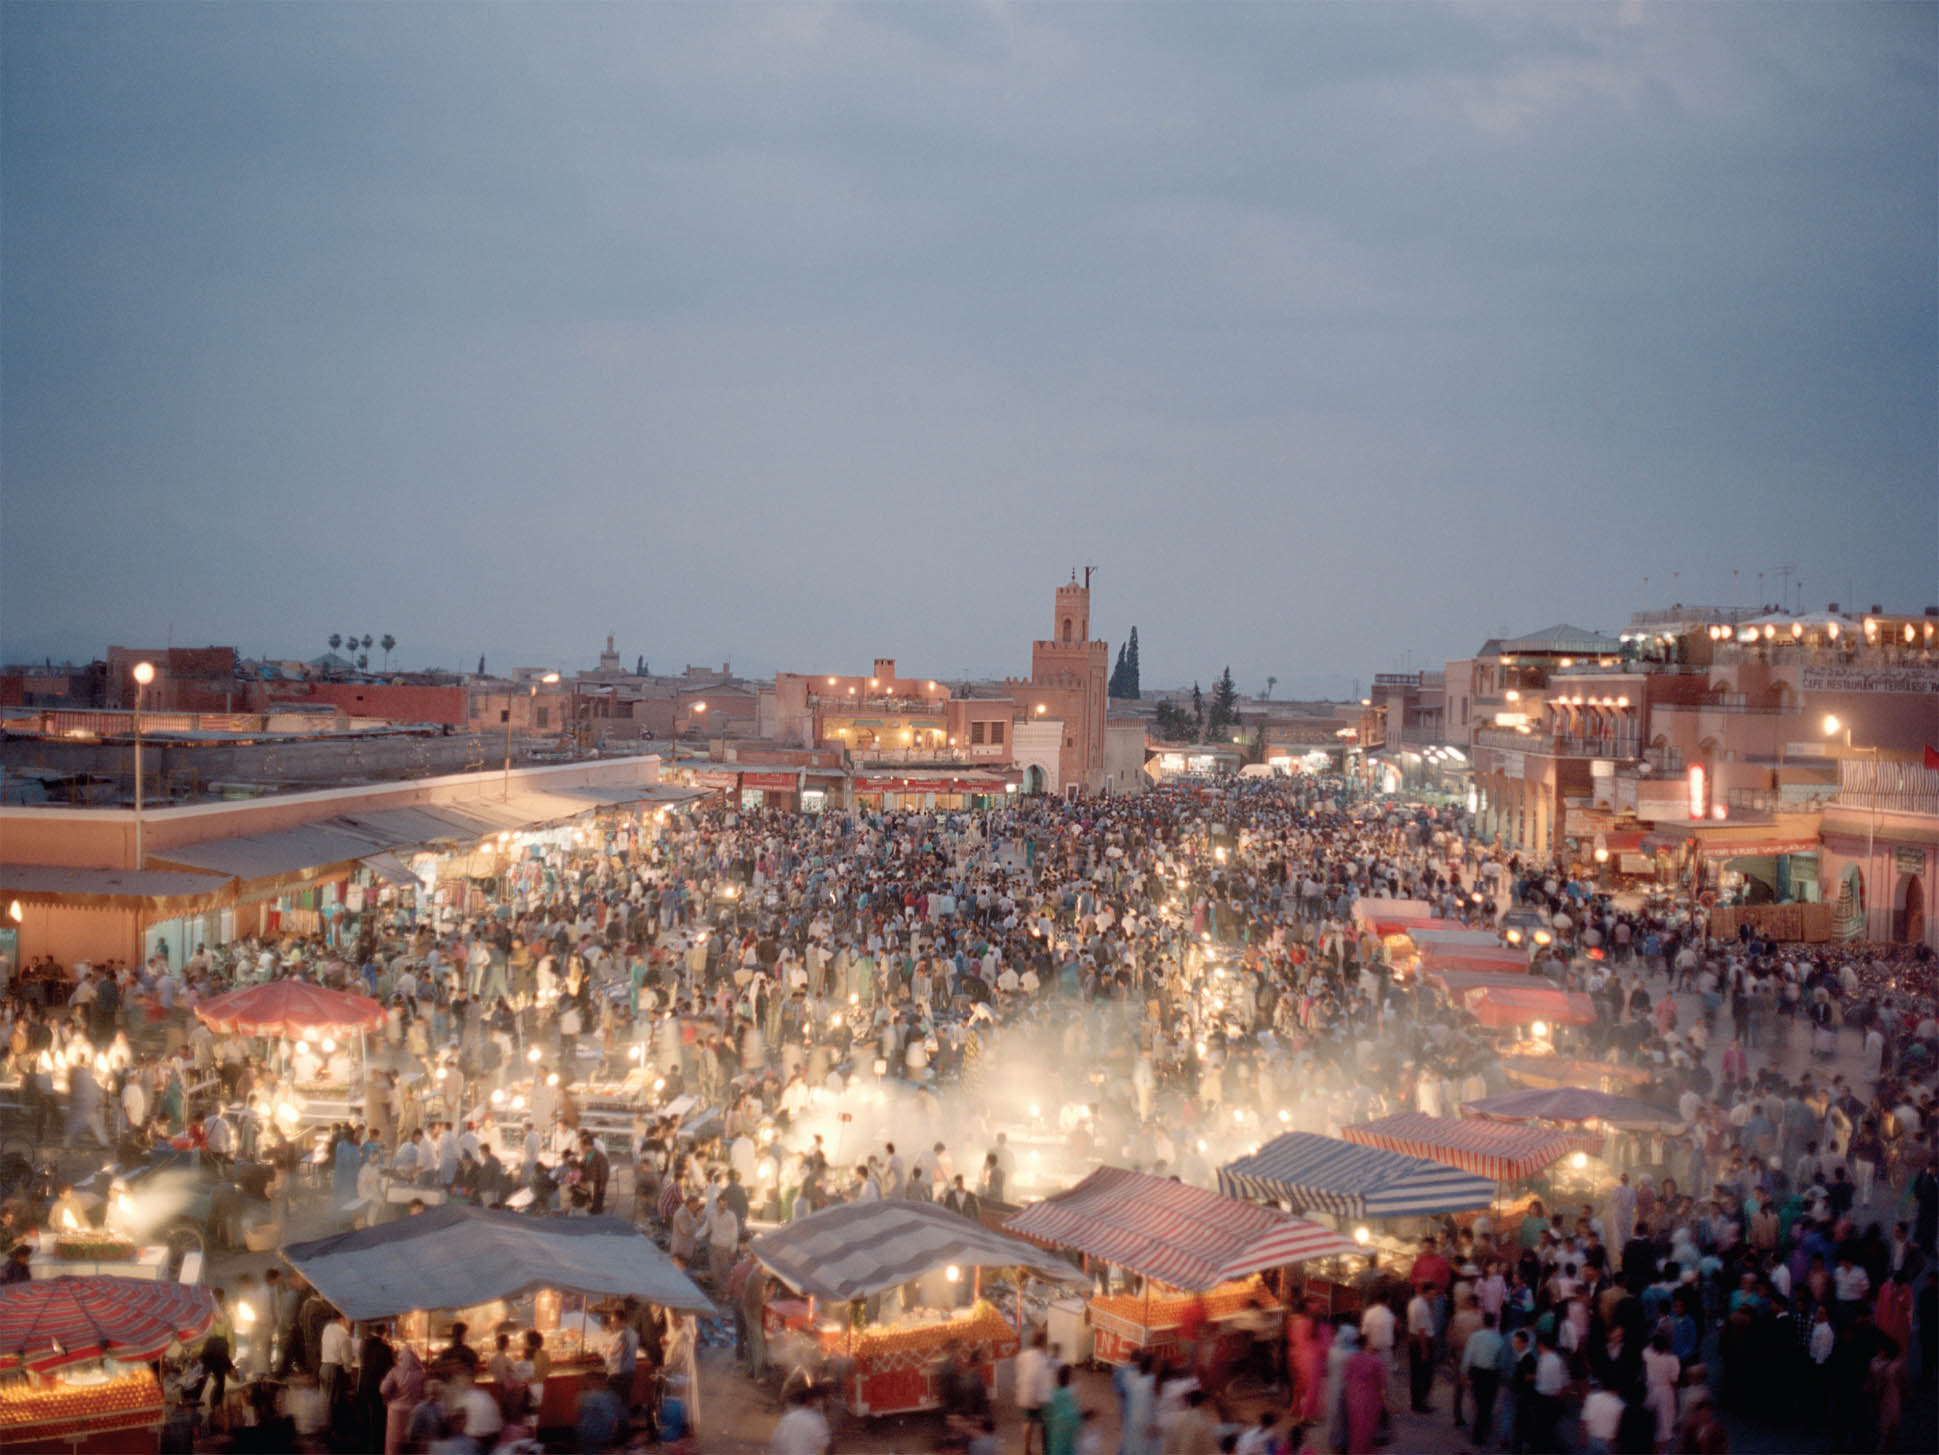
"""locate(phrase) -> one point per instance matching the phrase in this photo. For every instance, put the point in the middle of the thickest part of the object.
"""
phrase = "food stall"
(1186, 1247)
(1367, 1189)
(488, 1268)
(1636, 1127)
(841, 1261)
(1557, 1071)
(75, 1355)
(314, 1027)
(1499, 1151)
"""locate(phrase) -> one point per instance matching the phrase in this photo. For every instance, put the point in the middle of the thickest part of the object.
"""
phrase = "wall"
(1124, 756)
(397, 701)
(1040, 743)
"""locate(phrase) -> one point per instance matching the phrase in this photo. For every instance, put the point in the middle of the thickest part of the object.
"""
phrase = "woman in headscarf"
(402, 1389)
(1366, 1387)
(1309, 1338)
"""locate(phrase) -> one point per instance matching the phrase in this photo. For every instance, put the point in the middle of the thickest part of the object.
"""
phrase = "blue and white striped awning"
(1307, 1171)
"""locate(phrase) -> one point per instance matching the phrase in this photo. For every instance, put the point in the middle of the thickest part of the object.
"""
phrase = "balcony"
(1558, 745)
(881, 757)
(1734, 702)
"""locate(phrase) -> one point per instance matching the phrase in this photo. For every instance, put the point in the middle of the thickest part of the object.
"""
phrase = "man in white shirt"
(1377, 1331)
(802, 1430)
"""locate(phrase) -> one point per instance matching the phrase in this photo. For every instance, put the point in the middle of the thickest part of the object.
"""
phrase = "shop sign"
(715, 780)
(1869, 679)
(1909, 861)
(1758, 848)
(1511, 762)
(786, 782)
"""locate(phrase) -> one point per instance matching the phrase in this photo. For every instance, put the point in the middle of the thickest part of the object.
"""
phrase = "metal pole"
(508, 744)
(138, 846)
(1871, 845)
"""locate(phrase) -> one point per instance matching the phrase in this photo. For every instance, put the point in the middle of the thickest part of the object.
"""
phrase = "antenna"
(1784, 574)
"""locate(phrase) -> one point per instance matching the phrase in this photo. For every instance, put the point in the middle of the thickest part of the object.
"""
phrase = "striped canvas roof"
(47, 1324)
(1568, 1104)
(1502, 1151)
(1184, 1236)
(1307, 1170)
(855, 1249)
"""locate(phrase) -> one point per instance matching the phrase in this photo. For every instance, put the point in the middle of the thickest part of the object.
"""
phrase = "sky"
(1337, 338)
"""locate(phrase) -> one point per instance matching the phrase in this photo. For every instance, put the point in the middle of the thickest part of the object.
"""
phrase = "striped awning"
(1308, 1171)
(1172, 1233)
(854, 1249)
(1498, 1150)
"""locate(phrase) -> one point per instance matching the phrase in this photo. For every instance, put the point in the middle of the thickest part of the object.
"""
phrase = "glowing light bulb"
(1363, 1235)
(329, 1045)
(953, 1273)
(1579, 1161)
(533, 1055)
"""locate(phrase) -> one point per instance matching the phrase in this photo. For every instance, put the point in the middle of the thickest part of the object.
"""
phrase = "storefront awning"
(160, 889)
(392, 870)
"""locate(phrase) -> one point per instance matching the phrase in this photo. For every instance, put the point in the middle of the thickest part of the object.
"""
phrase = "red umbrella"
(48, 1323)
(290, 1008)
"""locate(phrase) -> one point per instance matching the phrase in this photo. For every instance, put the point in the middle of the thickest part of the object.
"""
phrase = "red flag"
(1932, 757)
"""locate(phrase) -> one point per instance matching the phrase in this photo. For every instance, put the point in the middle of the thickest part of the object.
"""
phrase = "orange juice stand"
(74, 1355)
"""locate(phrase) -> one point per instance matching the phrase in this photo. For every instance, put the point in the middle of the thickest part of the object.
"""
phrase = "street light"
(144, 674)
(548, 679)
(1835, 728)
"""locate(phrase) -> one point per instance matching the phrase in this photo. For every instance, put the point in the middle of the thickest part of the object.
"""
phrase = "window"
(976, 733)
(544, 714)
(996, 733)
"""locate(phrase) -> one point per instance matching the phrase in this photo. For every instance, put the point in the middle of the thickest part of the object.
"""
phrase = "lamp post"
(1835, 728)
(532, 691)
(144, 674)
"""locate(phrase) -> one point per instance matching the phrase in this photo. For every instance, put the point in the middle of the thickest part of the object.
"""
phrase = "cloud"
(794, 333)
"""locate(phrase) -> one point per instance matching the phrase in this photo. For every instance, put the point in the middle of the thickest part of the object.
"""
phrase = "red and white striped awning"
(1172, 1233)
(1500, 1150)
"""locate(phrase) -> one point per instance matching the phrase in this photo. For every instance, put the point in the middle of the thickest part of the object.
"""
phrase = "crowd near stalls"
(719, 1022)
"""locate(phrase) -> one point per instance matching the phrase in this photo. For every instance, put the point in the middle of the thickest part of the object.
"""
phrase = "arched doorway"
(1909, 914)
(1033, 779)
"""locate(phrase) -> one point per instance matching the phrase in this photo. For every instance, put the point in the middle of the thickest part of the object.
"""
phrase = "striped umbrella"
(290, 1008)
(1172, 1233)
(1308, 1171)
(1502, 1151)
(50, 1323)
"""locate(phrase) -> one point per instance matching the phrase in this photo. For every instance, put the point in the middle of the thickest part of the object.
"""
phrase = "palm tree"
(336, 640)
(1271, 682)
(363, 661)
(387, 643)
(367, 640)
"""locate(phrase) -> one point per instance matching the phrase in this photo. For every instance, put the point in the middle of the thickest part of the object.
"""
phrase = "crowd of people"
(1155, 982)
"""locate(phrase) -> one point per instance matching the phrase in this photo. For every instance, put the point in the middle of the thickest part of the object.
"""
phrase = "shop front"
(928, 793)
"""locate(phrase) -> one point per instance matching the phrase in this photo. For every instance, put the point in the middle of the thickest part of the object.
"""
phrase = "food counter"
(84, 1413)
(900, 1367)
(1126, 1325)
(559, 1399)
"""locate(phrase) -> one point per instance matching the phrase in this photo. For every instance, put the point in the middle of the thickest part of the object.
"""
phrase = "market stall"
(315, 1027)
(1311, 1173)
(843, 1259)
(75, 1355)
(484, 1268)
(1502, 1007)
(1498, 1151)
(1558, 1071)
(1186, 1247)
(1569, 1104)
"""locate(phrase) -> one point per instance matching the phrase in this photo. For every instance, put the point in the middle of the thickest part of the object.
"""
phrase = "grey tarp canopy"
(854, 1249)
(455, 1257)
